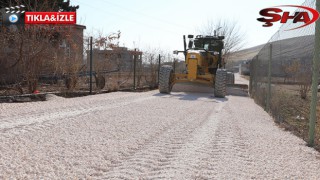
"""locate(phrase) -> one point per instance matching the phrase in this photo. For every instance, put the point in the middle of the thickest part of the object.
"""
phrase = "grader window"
(207, 47)
(209, 44)
(197, 44)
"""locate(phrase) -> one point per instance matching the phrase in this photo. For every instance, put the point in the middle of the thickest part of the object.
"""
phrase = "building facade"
(118, 58)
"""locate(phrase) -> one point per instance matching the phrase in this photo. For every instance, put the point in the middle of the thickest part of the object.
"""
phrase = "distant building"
(76, 50)
(244, 68)
(117, 58)
(70, 50)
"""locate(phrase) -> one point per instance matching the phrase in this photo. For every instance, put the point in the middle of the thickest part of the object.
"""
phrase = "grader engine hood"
(193, 61)
(204, 59)
(193, 55)
(198, 62)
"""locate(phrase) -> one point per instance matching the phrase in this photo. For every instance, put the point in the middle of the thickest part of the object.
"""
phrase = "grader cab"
(204, 64)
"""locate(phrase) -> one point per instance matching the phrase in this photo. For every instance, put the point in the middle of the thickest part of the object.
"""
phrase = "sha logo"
(275, 14)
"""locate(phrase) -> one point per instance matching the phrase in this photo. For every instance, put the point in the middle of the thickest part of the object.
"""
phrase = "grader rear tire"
(220, 86)
(166, 79)
(230, 78)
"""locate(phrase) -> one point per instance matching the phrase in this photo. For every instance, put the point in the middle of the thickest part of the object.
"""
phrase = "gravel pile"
(149, 135)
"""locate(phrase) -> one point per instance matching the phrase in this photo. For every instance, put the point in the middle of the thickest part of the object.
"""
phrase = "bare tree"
(151, 63)
(234, 37)
(109, 56)
(43, 5)
(304, 78)
(27, 52)
(291, 69)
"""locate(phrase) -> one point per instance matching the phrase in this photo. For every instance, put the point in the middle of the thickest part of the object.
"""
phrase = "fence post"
(91, 65)
(269, 79)
(251, 75)
(134, 69)
(256, 75)
(315, 75)
(159, 68)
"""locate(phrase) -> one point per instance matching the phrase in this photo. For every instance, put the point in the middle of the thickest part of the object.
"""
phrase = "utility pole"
(90, 65)
(315, 75)
(159, 67)
(134, 68)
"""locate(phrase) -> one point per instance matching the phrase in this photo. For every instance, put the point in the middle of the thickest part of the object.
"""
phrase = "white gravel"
(149, 136)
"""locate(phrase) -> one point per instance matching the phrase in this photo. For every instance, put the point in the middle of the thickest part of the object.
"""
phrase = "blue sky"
(161, 23)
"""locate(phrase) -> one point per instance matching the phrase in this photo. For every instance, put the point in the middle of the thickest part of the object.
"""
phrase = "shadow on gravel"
(186, 96)
(231, 91)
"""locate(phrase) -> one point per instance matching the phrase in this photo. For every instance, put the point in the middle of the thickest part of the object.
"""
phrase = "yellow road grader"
(204, 64)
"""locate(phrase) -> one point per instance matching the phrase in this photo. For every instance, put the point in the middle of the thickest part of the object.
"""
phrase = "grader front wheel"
(220, 86)
(166, 79)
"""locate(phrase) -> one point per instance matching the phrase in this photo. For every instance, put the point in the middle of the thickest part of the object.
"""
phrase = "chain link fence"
(65, 67)
(281, 75)
(112, 71)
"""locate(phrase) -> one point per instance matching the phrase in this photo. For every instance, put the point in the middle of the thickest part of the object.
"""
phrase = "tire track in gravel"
(227, 152)
(160, 107)
(131, 152)
(203, 147)
(149, 136)
(164, 156)
(56, 103)
(22, 123)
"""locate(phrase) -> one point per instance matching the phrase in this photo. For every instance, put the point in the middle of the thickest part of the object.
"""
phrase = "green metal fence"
(281, 76)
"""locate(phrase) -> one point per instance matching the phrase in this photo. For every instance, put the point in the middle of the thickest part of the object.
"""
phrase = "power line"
(128, 19)
(145, 15)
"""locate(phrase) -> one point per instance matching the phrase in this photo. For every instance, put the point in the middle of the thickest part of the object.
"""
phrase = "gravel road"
(149, 136)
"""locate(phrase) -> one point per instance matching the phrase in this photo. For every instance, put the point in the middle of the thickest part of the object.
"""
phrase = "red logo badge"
(275, 14)
(50, 18)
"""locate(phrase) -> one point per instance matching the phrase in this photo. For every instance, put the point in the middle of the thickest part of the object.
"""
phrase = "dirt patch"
(291, 112)
(23, 98)
(65, 94)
